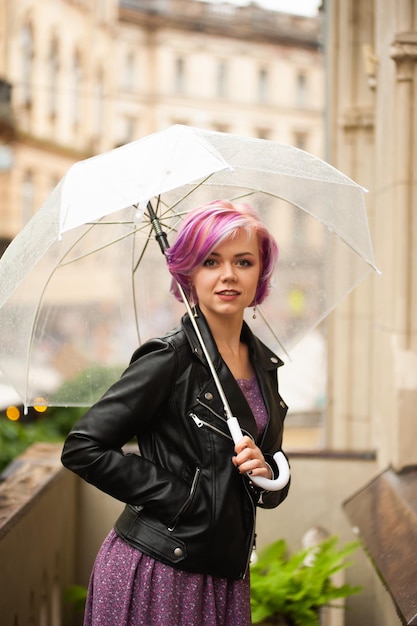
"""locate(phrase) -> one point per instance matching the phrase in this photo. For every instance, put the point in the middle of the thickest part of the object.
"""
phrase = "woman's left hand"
(250, 460)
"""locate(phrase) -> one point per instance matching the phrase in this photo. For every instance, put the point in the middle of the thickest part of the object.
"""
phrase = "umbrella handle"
(283, 468)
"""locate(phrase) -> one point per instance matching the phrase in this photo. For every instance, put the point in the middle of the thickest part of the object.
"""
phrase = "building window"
(301, 90)
(101, 9)
(27, 64)
(221, 128)
(263, 133)
(98, 113)
(53, 68)
(221, 87)
(76, 89)
(27, 197)
(129, 72)
(129, 130)
(301, 140)
(263, 85)
(179, 75)
(182, 122)
(54, 180)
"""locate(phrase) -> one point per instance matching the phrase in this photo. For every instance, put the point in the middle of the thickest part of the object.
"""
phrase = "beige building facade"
(88, 75)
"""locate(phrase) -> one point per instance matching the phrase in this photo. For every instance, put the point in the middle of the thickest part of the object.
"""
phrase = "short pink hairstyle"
(205, 228)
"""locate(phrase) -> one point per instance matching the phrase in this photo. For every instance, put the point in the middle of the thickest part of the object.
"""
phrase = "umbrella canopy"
(85, 282)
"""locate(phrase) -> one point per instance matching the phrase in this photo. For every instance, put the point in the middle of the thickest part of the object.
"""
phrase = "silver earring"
(254, 313)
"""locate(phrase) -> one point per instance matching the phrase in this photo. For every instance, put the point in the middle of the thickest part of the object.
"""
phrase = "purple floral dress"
(129, 588)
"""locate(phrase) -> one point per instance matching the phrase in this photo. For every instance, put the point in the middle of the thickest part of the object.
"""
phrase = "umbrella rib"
(189, 193)
(180, 214)
(204, 180)
(273, 333)
(101, 222)
(103, 247)
(172, 206)
(142, 254)
(134, 268)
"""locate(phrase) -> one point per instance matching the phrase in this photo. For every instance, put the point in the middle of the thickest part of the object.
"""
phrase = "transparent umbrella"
(85, 282)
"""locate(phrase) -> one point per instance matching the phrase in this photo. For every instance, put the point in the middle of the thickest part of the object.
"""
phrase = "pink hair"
(205, 228)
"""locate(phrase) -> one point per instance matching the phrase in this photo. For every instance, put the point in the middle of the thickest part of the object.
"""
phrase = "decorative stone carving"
(404, 53)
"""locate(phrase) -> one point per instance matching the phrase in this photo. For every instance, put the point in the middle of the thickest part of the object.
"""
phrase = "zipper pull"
(197, 420)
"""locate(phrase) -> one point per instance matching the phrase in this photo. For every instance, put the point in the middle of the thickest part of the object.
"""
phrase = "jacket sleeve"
(93, 448)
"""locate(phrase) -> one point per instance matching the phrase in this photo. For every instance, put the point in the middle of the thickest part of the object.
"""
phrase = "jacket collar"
(206, 335)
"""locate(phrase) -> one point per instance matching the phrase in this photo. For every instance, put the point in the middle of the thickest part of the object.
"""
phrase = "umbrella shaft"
(160, 236)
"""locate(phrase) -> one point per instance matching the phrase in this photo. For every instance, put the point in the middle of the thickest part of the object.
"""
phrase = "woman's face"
(226, 282)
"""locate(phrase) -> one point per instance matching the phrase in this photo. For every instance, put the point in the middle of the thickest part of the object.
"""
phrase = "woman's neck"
(226, 331)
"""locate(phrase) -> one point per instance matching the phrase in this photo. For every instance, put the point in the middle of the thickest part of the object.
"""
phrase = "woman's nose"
(228, 272)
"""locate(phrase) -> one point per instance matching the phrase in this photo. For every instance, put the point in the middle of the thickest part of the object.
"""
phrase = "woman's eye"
(245, 263)
(209, 263)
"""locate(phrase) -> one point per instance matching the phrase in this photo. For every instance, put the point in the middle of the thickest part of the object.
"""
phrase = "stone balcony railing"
(248, 21)
(37, 540)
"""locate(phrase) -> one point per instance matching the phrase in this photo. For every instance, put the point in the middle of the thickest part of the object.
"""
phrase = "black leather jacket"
(187, 505)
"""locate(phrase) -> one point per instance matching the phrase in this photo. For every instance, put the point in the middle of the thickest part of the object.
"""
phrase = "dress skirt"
(129, 588)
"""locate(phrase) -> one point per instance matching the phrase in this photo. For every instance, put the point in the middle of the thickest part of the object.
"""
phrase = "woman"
(179, 553)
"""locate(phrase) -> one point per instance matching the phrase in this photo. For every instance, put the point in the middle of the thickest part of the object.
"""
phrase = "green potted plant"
(291, 589)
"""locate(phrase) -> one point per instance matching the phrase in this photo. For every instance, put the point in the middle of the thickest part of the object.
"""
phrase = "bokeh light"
(13, 413)
(39, 407)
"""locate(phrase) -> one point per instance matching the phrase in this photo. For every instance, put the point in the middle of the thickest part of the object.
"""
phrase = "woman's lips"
(227, 294)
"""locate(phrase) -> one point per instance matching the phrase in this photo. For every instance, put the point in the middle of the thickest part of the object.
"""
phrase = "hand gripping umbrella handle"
(283, 468)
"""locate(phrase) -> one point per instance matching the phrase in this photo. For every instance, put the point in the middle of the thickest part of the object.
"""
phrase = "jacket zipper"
(190, 497)
(209, 408)
(200, 423)
(252, 541)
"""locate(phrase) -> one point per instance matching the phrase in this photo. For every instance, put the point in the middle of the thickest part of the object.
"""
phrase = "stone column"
(397, 323)
(351, 149)
(373, 124)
